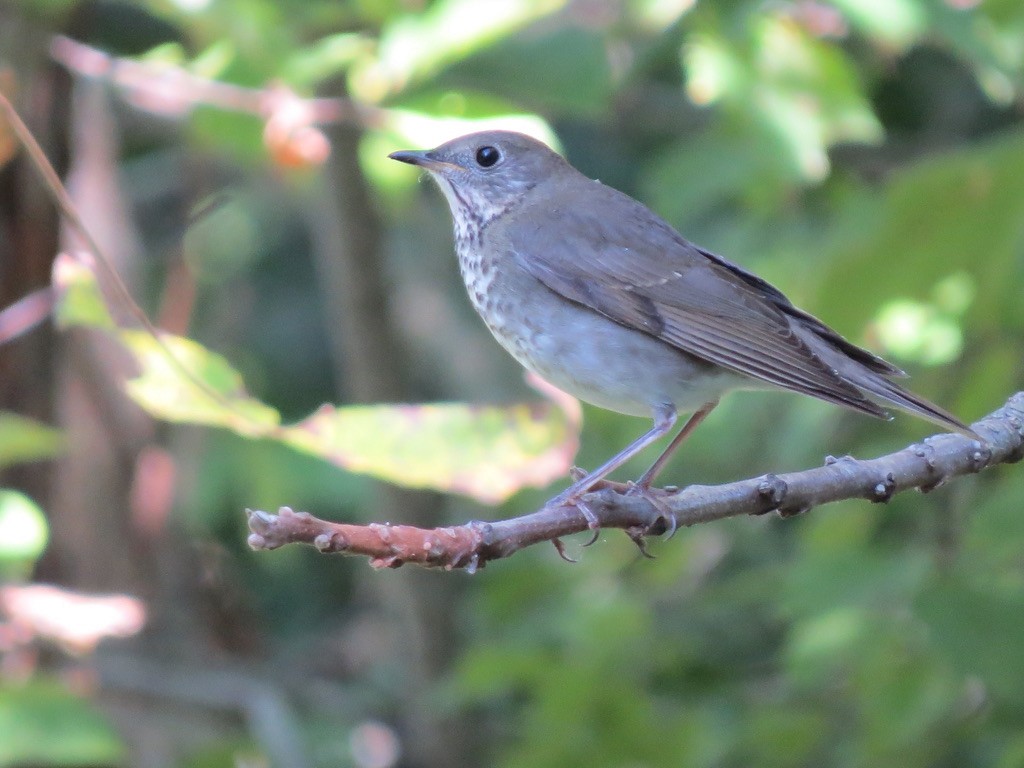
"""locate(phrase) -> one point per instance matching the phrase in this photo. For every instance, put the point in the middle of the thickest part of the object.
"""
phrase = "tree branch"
(925, 466)
(173, 90)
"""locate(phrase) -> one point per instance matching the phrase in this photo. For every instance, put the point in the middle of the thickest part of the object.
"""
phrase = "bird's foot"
(665, 514)
(592, 523)
(571, 498)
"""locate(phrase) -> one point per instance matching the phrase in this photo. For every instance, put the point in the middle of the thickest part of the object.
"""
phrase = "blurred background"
(230, 156)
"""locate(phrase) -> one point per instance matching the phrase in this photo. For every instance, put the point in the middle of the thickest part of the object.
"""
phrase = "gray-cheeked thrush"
(598, 295)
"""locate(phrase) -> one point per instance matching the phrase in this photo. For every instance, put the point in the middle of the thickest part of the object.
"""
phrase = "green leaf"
(325, 58)
(42, 724)
(564, 71)
(415, 46)
(23, 439)
(165, 391)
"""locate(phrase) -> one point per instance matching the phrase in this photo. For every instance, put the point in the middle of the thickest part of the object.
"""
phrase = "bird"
(598, 295)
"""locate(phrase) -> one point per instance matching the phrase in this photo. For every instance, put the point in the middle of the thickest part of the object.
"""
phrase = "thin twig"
(925, 466)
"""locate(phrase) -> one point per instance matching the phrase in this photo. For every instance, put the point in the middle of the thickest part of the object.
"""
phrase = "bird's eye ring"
(487, 156)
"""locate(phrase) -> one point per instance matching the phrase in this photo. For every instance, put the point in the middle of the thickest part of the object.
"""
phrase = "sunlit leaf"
(487, 452)
(415, 46)
(460, 103)
(166, 392)
(431, 130)
(807, 94)
(894, 22)
(712, 69)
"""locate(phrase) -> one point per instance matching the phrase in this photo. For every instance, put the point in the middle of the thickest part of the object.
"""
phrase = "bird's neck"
(471, 218)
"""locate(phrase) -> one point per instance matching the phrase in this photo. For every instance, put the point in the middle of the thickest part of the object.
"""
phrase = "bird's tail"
(886, 391)
(879, 387)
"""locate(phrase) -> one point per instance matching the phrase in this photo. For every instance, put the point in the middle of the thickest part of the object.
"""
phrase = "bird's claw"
(560, 547)
(573, 500)
(637, 534)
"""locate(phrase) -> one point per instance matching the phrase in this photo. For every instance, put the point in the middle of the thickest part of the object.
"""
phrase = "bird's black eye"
(487, 156)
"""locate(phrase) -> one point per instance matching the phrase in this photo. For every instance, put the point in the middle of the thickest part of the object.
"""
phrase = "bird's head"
(486, 174)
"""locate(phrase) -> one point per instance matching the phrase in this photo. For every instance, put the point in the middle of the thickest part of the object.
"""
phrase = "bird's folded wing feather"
(640, 273)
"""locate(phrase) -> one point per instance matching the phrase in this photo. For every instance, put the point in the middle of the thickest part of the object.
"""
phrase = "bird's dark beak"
(424, 159)
(411, 157)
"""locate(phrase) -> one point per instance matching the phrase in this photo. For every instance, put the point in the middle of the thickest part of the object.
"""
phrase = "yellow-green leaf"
(486, 452)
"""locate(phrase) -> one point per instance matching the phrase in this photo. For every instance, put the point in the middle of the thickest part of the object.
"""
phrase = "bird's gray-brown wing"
(611, 254)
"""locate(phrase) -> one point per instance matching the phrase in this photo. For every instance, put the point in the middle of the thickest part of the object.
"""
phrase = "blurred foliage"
(42, 724)
(867, 157)
(485, 452)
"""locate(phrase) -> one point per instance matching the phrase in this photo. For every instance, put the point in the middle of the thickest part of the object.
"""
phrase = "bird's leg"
(643, 485)
(648, 477)
(664, 420)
